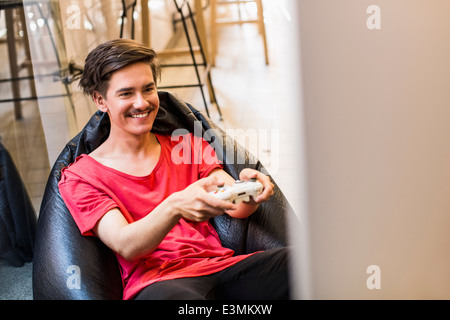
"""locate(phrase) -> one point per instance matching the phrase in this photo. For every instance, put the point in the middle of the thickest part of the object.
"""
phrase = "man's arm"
(133, 240)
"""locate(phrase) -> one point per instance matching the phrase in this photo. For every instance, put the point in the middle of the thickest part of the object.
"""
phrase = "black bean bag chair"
(67, 265)
(17, 215)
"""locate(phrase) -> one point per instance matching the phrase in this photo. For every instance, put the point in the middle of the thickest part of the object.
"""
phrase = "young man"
(154, 214)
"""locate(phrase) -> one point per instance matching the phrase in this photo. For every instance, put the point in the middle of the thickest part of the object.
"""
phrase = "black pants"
(262, 276)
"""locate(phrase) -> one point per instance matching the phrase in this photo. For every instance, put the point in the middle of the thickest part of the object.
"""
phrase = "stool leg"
(213, 96)
(13, 63)
(262, 28)
(188, 38)
(205, 61)
(122, 21)
(201, 35)
(213, 16)
(26, 44)
(200, 22)
(145, 23)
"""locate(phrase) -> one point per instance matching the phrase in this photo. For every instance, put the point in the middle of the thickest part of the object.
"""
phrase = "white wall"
(376, 104)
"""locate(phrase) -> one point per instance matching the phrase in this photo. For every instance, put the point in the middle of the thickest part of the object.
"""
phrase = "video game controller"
(239, 191)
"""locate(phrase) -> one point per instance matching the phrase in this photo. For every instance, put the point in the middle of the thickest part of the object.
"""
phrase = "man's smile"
(140, 115)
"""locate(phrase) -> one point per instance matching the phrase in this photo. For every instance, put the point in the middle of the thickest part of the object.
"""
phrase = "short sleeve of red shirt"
(86, 203)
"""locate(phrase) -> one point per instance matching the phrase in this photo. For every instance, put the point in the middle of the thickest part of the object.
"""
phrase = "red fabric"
(190, 249)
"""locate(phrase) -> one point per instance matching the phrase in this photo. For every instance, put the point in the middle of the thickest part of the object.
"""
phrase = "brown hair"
(111, 56)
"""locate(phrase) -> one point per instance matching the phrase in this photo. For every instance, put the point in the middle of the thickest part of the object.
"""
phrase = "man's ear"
(100, 101)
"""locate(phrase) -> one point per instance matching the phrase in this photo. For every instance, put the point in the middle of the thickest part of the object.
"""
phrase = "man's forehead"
(132, 73)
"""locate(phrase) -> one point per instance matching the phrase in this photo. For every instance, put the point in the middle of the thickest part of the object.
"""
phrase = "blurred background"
(345, 102)
(251, 65)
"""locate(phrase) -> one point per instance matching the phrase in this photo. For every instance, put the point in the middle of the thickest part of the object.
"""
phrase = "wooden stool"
(215, 22)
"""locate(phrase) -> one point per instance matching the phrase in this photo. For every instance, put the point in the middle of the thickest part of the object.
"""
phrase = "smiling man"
(154, 214)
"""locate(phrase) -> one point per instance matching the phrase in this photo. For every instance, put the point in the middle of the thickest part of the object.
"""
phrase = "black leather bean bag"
(17, 214)
(69, 266)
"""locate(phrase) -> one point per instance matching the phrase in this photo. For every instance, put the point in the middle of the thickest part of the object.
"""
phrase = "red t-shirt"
(190, 249)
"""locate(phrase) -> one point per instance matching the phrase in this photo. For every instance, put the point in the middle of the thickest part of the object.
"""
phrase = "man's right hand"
(196, 204)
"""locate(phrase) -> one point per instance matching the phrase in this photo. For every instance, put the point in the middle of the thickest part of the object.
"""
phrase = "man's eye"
(125, 94)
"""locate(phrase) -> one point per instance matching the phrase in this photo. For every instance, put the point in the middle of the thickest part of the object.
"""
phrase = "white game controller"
(239, 191)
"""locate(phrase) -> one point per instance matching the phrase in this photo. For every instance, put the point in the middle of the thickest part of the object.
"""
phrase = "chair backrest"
(69, 266)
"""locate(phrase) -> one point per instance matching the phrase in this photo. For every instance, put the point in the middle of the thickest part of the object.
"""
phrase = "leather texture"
(59, 245)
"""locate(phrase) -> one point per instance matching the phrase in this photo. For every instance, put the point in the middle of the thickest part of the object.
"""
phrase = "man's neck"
(132, 145)
(135, 157)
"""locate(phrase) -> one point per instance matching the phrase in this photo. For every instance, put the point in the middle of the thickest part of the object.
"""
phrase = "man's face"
(131, 100)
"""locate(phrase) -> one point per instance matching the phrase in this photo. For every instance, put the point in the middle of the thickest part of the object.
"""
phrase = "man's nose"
(140, 102)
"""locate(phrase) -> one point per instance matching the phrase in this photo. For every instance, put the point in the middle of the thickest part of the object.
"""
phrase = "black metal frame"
(125, 9)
